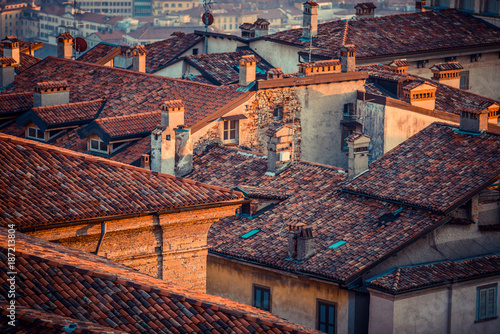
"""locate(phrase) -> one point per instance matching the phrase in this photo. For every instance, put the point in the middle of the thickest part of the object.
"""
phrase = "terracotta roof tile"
(15, 103)
(220, 68)
(120, 126)
(70, 112)
(7, 61)
(397, 34)
(411, 278)
(365, 5)
(333, 62)
(99, 294)
(99, 52)
(55, 185)
(414, 171)
(454, 65)
(314, 199)
(26, 60)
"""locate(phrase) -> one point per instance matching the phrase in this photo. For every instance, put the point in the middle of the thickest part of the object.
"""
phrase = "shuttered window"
(486, 302)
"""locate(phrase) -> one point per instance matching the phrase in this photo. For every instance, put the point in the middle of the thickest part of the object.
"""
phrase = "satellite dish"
(80, 44)
(207, 18)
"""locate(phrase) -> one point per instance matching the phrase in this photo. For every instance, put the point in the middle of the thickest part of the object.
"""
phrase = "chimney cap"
(365, 5)
(348, 47)
(449, 66)
(178, 34)
(311, 3)
(476, 110)
(52, 84)
(249, 58)
(355, 136)
(172, 104)
(417, 83)
(65, 36)
(138, 50)
(318, 63)
(399, 63)
(10, 39)
(8, 62)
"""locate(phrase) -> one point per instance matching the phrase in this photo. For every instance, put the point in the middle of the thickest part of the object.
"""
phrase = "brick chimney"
(11, 48)
(171, 143)
(320, 67)
(365, 9)
(358, 144)
(145, 161)
(310, 20)
(301, 244)
(279, 147)
(399, 66)
(275, 73)
(261, 27)
(7, 71)
(65, 45)
(420, 94)
(348, 57)
(49, 93)
(447, 73)
(419, 6)
(138, 56)
(473, 119)
(248, 65)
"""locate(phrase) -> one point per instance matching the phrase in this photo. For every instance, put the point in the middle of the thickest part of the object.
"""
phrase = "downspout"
(450, 305)
(103, 233)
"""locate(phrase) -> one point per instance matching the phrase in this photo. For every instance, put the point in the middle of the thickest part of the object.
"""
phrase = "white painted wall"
(279, 55)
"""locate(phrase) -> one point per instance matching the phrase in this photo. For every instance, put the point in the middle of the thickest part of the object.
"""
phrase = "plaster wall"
(279, 55)
(372, 116)
(218, 45)
(401, 124)
(175, 70)
(234, 280)
(322, 111)
(381, 319)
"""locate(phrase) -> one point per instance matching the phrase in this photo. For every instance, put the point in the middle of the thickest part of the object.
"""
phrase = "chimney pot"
(65, 45)
(248, 65)
(447, 73)
(145, 161)
(301, 243)
(49, 93)
(348, 57)
(11, 48)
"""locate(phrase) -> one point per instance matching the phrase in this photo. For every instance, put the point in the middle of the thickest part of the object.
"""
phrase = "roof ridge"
(127, 116)
(68, 104)
(345, 32)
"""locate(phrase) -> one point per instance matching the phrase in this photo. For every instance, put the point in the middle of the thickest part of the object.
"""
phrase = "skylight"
(337, 244)
(249, 234)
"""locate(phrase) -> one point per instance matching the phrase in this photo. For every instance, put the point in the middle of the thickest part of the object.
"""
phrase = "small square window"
(486, 302)
(98, 146)
(348, 109)
(278, 113)
(35, 133)
(262, 297)
(195, 51)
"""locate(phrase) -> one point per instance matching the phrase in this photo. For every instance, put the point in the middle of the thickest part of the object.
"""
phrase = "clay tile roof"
(262, 192)
(140, 48)
(312, 3)
(56, 185)
(333, 62)
(435, 169)
(406, 279)
(315, 200)
(52, 84)
(247, 26)
(26, 60)
(58, 284)
(409, 34)
(15, 103)
(399, 63)
(220, 68)
(473, 109)
(417, 83)
(356, 135)
(365, 5)
(129, 125)
(455, 65)
(173, 104)
(161, 53)
(261, 21)
(69, 113)
(276, 71)
(100, 54)
(7, 61)
(12, 39)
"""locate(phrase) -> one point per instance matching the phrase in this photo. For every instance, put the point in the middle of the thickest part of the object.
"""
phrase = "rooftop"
(98, 53)
(56, 185)
(60, 287)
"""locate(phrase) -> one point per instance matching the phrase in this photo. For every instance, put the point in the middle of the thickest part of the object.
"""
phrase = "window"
(278, 113)
(231, 131)
(326, 313)
(98, 146)
(464, 80)
(348, 109)
(35, 133)
(195, 51)
(486, 302)
(346, 132)
(262, 297)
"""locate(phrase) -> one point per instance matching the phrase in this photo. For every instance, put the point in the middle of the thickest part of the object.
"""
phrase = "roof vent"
(301, 244)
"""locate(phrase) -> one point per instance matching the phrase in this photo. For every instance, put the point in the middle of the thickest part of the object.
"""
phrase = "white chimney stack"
(50, 93)
(11, 48)
(358, 144)
(310, 20)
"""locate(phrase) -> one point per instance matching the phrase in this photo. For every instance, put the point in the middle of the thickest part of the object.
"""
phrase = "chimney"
(320, 67)
(358, 144)
(300, 241)
(473, 119)
(420, 94)
(145, 161)
(275, 73)
(7, 71)
(279, 147)
(163, 150)
(183, 151)
(310, 20)
(447, 73)
(138, 56)
(172, 113)
(65, 45)
(365, 9)
(348, 58)
(419, 6)
(261, 27)
(11, 48)
(399, 66)
(247, 70)
(49, 93)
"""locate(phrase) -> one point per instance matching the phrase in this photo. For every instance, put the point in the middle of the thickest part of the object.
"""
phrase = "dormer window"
(35, 133)
(97, 145)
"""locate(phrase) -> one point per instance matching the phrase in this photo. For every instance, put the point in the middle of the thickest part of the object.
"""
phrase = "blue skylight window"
(337, 244)
(249, 234)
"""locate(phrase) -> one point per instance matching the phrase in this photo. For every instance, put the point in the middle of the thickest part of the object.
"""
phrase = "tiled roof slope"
(411, 278)
(448, 99)
(70, 112)
(163, 52)
(26, 60)
(315, 200)
(61, 282)
(396, 35)
(16, 103)
(219, 68)
(126, 92)
(98, 52)
(120, 126)
(434, 169)
(56, 185)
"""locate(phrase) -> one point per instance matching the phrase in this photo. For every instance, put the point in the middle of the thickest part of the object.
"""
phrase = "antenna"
(207, 18)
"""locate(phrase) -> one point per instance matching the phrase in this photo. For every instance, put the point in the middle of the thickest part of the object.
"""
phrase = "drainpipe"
(450, 305)
(103, 233)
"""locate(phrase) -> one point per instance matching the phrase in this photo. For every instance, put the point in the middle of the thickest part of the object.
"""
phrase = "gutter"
(131, 215)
